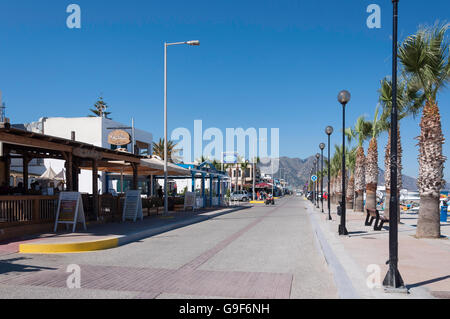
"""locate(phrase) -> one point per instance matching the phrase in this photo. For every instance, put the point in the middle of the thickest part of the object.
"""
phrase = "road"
(260, 252)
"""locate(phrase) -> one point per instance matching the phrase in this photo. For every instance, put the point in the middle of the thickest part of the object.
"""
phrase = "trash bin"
(444, 213)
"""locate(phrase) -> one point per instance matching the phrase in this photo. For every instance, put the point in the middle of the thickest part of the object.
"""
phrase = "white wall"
(91, 130)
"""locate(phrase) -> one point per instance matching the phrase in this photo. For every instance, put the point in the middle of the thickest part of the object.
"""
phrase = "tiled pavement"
(186, 280)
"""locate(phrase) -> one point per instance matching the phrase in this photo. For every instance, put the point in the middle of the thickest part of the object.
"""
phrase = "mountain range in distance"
(296, 171)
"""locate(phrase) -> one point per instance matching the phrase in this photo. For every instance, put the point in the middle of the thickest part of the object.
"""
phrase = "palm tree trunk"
(359, 180)
(372, 175)
(350, 192)
(387, 173)
(236, 188)
(431, 171)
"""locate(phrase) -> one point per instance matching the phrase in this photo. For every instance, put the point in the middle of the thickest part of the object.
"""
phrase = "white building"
(91, 130)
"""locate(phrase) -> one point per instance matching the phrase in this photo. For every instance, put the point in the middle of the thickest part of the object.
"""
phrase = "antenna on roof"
(2, 109)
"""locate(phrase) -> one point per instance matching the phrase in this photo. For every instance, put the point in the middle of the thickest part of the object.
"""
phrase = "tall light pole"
(314, 184)
(329, 130)
(317, 181)
(322, 147)
(393, 278)
(166, 198)
(343, 98)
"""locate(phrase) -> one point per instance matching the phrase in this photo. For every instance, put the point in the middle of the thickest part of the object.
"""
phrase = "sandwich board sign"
(132, 207)
(189, 200)
(70, 210)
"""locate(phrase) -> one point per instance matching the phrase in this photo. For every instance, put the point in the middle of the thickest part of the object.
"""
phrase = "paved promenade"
(423, 263)
(261, 252)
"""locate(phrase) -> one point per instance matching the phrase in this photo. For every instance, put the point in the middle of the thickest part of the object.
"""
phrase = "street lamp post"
(343, 98)
(322, 147)
(329, 130)
(314, 184)
(166, 199)
(393, 279)
(317, 181)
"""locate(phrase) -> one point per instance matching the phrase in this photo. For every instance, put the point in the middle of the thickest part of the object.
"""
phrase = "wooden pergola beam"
(29, 141)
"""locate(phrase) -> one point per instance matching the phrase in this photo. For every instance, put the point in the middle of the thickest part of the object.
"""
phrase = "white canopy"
(158, 165)
(50, 174)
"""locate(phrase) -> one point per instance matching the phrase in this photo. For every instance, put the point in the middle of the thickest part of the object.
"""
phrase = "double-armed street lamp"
(166, 191)
(329, 130)
(343, 98)
(393, 279)
(322, 147)
(317, 180)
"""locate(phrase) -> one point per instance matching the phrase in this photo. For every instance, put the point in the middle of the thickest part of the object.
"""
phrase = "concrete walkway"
(423, 263)
(265, 252)
(110, 235)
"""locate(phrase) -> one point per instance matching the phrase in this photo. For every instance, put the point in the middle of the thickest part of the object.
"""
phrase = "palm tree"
(243, 166)
(372, 162)
(100, 109)
(408, 103)
(158, 149)
(425, 58)
(336, 166)
(350, 156)
(361, 132)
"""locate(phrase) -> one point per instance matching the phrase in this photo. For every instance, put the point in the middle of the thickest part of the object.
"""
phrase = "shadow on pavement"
(428, 282)
(8, 265)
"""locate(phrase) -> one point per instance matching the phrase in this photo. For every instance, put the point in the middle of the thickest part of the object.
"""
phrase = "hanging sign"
(314, 178)
(230, 157)
(132, 207)
(70, 210)
(119, 137)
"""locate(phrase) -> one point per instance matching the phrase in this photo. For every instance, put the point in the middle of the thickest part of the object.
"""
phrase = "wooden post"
(25, 161)
(69, 171)
(7, 160)
(75, 173)
(95, 188)
(36, 212)
(135, 176)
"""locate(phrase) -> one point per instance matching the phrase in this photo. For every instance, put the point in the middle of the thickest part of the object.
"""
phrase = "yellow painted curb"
(76, 247)
(257, 202)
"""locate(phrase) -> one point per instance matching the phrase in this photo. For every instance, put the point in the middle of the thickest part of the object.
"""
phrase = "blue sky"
(260, 64)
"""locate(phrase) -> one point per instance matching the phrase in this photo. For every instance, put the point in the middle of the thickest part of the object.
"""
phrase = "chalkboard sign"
(132, 208)
(70, 210)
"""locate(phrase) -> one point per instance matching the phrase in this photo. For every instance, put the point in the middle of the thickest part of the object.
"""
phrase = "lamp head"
(344, 97)
(193, 42)
(322, 146)
(317, 156)
(329, 130)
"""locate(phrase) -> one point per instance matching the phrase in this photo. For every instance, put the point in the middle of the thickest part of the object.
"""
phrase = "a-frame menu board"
(132, 207)
(70, 210)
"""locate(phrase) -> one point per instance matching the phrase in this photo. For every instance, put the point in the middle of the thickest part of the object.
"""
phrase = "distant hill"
(297, 171)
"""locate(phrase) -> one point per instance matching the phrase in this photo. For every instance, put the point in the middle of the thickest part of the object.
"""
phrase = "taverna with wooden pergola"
(23, 212)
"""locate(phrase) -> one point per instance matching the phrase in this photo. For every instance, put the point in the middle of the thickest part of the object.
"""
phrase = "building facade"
(95, 131)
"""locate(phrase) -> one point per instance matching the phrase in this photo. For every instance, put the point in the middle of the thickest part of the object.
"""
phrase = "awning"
(157, 167)
(263, 185)
(146, 167)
